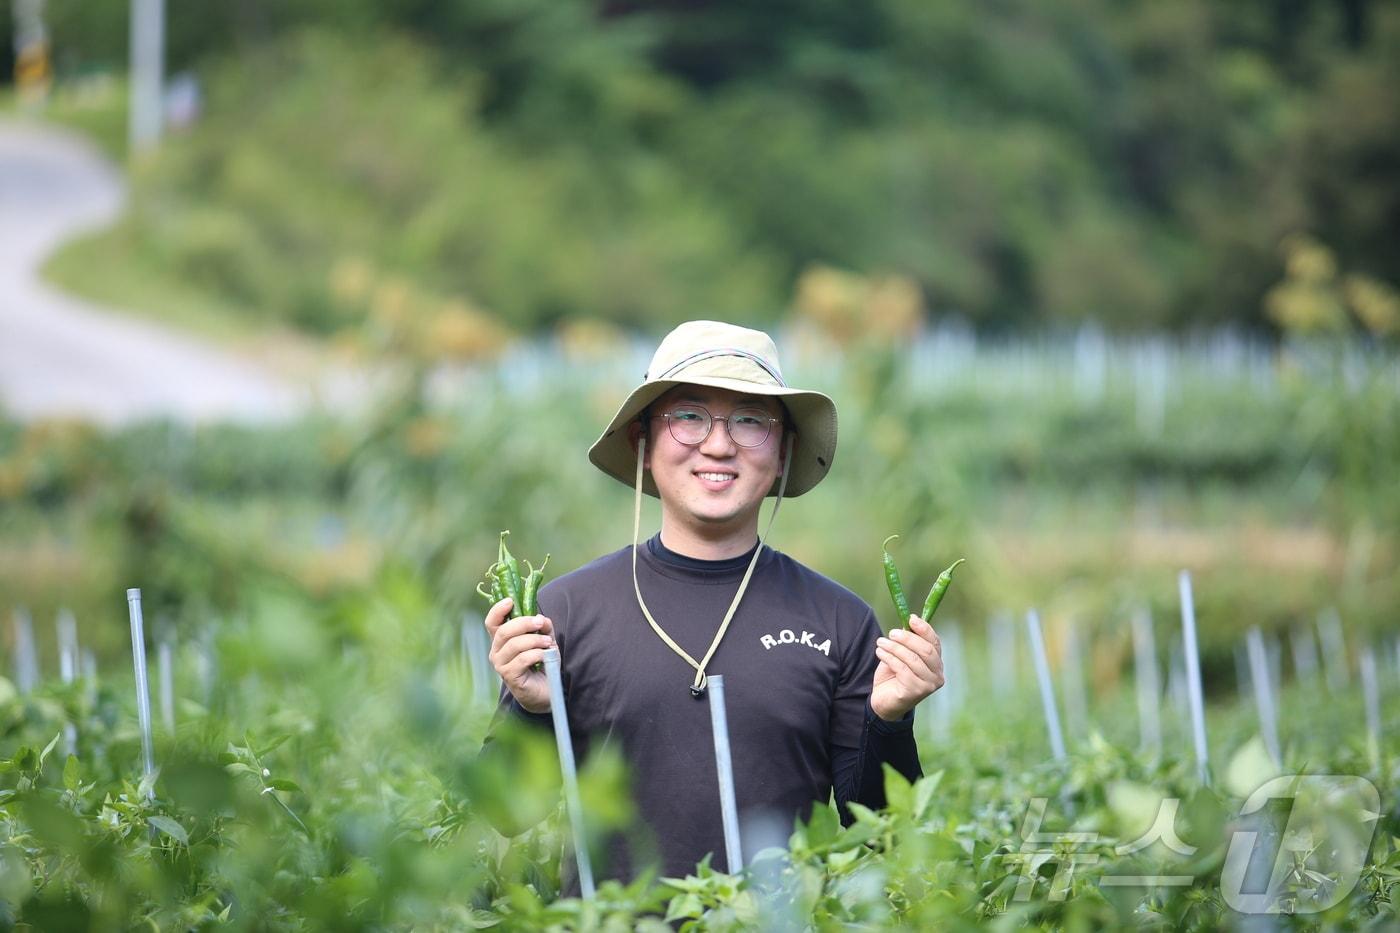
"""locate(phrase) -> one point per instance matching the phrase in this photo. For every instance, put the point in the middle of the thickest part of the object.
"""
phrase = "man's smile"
(717, 479)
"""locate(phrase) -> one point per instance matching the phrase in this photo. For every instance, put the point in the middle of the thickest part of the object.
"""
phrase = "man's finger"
(915, 666)
(921, 628)
(514, 646)
(521, 626)
(912, 640)
(497, 614)
(902, 673)
(520, 664)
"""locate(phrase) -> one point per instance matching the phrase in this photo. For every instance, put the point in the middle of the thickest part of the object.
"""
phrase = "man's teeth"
(716, 477)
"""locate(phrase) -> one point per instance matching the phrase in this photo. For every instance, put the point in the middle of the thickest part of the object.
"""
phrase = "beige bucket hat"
(724, 356)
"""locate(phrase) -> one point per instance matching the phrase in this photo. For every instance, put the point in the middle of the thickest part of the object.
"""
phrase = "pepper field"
(316, 758)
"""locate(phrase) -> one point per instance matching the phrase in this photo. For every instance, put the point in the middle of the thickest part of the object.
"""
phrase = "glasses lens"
(689, 425)
(748, 427)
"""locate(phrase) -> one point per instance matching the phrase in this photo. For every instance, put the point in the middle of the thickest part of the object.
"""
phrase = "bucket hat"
(724, 356)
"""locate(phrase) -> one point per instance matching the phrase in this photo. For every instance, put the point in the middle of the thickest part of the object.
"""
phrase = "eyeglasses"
(691, 424)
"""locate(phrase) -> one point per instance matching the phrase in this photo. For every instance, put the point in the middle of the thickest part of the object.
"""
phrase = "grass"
(108, 268)
(95, 106)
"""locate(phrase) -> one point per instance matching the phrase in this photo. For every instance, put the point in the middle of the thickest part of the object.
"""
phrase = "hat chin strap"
(697, 688)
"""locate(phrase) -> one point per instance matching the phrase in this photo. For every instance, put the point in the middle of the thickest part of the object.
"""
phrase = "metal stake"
(1263, 693)
(1192, 657)
(1047, 689)
(1370, 689)
(26, 659)
(564, 740)
(68, 667)
(1149, 689)
(143, 693)
(724, 766)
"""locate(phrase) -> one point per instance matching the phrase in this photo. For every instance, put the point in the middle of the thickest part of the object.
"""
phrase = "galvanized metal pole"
(1263, 693)
(143, 692)
(67, 631)
(26, 658)
(1149, 689)
(147, 68)
(724, 767)
(1047, 689)
(1192, 658)
(1334, 651)
(562, 737)
(1304, 648)
(1371, 695)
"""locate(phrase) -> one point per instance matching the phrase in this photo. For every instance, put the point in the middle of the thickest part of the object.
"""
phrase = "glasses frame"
(670, 426)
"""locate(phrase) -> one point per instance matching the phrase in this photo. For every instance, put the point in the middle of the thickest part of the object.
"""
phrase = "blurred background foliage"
(1274, 485)
(1133, 163)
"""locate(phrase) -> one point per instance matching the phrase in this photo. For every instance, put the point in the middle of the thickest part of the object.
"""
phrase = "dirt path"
(62, 356)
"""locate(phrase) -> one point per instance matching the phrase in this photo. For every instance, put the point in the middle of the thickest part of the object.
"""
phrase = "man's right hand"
(516, 647)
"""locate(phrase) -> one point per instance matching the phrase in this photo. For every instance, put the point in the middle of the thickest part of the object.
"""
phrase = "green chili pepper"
(516, 586)
(940, 586)
(493, 592)
(502, 575)
(901, 602)
(532, 586)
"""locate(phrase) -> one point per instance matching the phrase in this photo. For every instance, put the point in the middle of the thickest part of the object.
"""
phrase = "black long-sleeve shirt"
(798, 662)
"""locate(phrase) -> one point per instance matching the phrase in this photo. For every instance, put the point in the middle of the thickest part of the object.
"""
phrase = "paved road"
(61, 356)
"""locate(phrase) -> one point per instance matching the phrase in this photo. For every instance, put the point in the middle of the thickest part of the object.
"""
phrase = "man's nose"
(719, 439)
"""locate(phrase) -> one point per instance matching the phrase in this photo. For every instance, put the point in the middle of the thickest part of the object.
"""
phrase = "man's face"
(717, 483)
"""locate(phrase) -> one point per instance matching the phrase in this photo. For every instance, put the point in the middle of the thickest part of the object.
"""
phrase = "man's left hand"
(911, 668)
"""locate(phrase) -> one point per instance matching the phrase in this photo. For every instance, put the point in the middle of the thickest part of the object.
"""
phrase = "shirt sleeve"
(862, 742)
(858, 773)
(852, 697)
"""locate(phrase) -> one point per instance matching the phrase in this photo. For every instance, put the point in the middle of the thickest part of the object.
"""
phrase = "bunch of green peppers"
(504, 578)
(896, 587)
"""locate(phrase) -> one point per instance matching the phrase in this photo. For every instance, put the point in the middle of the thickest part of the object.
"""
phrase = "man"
(817, 698)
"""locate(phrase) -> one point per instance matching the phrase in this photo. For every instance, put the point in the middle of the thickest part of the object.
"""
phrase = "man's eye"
(686, 416)
(747, 419)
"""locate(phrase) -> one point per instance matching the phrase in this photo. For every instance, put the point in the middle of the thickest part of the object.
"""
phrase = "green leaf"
(238, 767)
(684, 905)
(171, 828)
(25, 759)
(284, 784)
(71, 776)
(274, 743)
(48, 748)
(865, 815)
(1249, 769)
(923, 794)
(1135, 807)
(823, 827)
(898, 792)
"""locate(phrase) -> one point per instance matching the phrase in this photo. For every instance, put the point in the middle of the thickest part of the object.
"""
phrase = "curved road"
(61, 356)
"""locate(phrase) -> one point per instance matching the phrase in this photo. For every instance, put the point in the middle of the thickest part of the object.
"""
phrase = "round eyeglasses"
(691, 424)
